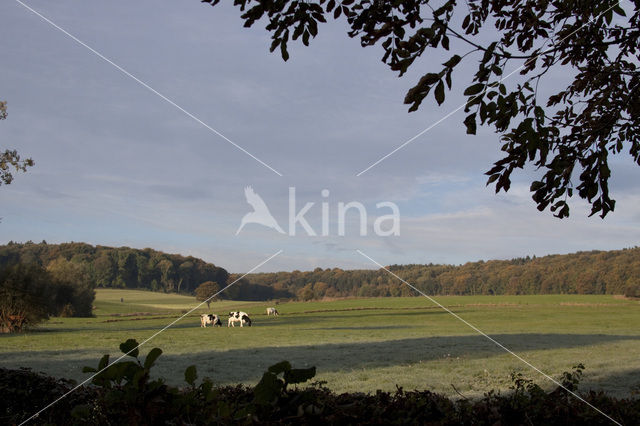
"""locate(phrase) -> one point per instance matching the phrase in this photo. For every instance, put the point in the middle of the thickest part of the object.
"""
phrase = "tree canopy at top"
(568, 136)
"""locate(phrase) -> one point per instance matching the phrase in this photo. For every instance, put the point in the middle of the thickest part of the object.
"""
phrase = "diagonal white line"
(491, 339)
(412, 139)
(474, 97)
(148, 339)
(145, 85)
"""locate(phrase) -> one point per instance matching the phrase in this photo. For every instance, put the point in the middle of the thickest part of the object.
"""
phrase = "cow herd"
(234, 317)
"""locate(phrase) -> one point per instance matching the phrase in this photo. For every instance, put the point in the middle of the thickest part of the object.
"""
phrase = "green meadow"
(356, 344)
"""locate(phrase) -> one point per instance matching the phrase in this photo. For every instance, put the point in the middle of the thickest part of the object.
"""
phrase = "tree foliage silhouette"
(568, 136)
(10, 157)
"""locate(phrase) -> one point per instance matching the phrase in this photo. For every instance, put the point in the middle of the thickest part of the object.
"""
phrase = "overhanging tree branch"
(10, 158)
(564, 143)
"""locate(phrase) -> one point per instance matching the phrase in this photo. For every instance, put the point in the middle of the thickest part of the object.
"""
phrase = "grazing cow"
(210, 319)
(272, 311)
(238, 316)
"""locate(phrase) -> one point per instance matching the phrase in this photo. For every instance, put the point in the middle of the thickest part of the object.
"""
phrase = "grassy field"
(356, 344)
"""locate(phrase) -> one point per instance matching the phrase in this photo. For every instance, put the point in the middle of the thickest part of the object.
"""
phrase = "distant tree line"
(593, 272)
(255, 290)
(129, 268)
(122, 267)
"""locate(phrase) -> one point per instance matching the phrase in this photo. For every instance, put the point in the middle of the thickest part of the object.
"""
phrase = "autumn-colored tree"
(305, 293)
(205, 290)
(25, 297)
(632, 287)
(30, 293)
(320, 289)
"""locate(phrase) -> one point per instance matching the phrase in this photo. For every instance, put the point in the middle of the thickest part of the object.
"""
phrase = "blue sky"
(117, 165)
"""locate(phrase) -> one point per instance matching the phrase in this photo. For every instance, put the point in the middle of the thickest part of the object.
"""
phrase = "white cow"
(210, 319)
(238, 316)
(272, 311)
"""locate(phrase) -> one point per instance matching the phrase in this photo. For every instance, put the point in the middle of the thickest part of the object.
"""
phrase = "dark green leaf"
(330, 5)
(151, 357)
(465, 21)
(299, 375)
(280, 367)
(439, 93)
(268, 389)
(453, 61)
(130, 347)
(429, 79)
(283, 51)
(474, 89)
(470, 123)
(536, 185)
(618, 10)
(313, 27)
(190, 375)
(445, 42)
(104, 361)
(274, 44)
(492, 179)
(297, 32)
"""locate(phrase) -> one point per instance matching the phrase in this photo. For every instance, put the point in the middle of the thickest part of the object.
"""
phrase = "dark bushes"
(122, 393)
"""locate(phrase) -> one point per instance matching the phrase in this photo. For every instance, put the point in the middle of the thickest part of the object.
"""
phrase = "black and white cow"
(210, 319)
(272, 311)
(238, 316)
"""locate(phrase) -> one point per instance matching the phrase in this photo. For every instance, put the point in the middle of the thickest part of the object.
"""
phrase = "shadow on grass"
(357, 355)
(625, 383)
(247, 365)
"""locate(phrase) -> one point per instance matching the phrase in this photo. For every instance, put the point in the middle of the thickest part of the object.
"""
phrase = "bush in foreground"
(123, 393)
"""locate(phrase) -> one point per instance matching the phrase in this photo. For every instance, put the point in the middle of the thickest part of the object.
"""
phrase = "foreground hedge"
(123, 394)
